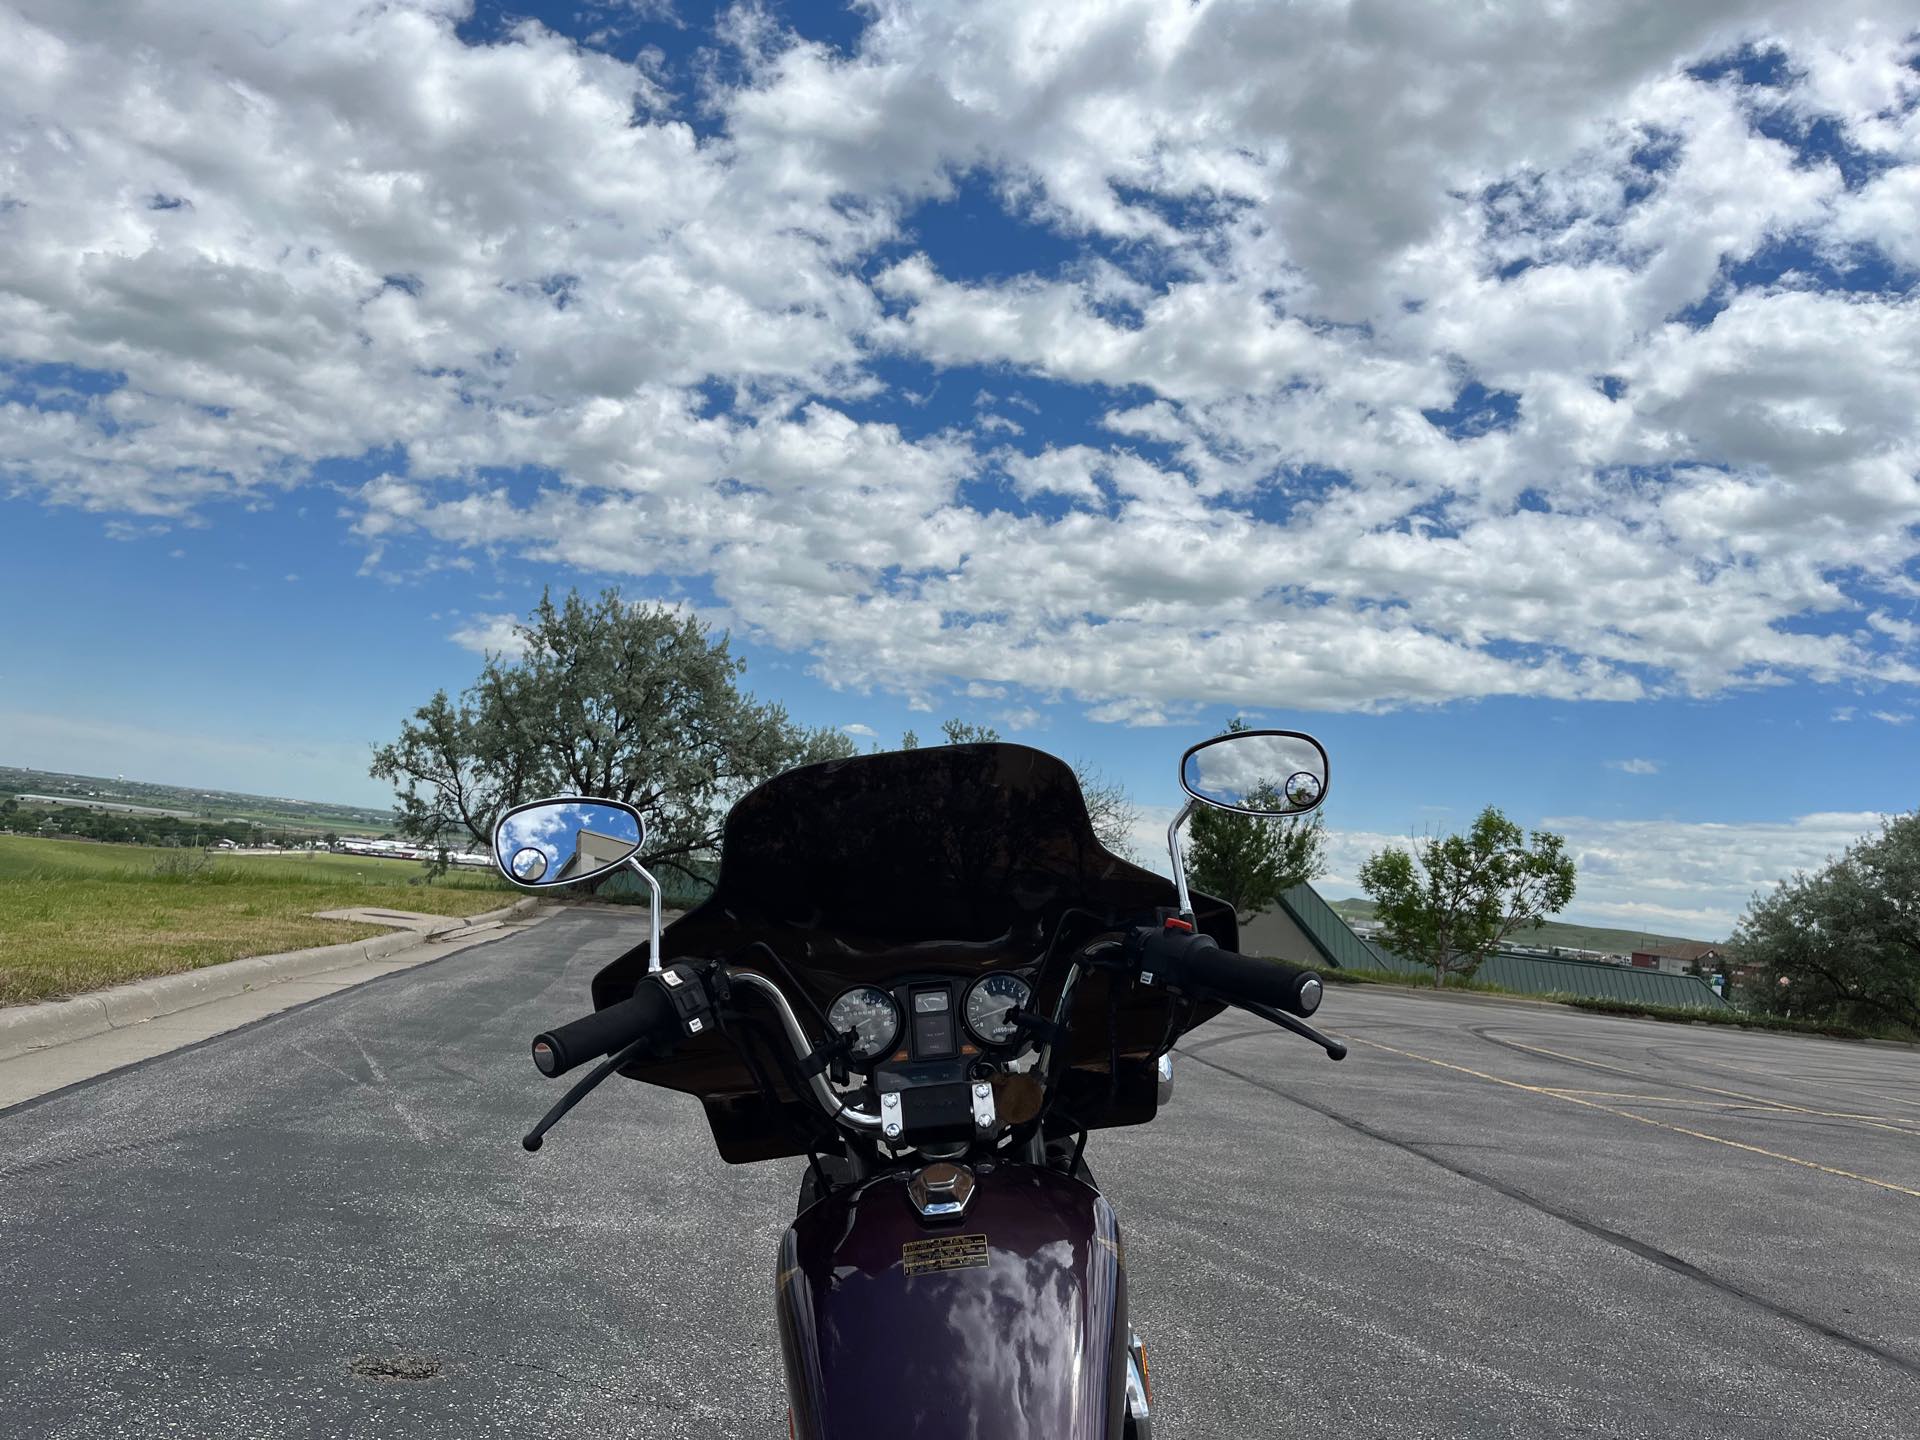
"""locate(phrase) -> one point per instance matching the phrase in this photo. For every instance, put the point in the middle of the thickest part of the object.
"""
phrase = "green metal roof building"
(1305, 930)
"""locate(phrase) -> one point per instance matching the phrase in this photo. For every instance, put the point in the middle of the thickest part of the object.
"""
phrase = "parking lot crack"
(1686, 1269)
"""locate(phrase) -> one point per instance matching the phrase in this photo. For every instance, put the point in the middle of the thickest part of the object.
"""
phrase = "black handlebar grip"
(649, 1012)
(1265, 982)
(1194, 961)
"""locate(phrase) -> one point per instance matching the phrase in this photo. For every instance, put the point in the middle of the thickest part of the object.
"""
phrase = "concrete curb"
(25, 1028)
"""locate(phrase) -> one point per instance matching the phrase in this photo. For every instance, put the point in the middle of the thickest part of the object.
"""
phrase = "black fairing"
(949, 860)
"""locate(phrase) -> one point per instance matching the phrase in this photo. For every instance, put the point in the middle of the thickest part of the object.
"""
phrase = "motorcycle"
(923, 973)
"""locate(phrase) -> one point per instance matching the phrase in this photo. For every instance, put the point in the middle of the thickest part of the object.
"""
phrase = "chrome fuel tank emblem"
(940, 1191)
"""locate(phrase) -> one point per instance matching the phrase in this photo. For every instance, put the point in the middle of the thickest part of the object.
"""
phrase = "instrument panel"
(935, 1019)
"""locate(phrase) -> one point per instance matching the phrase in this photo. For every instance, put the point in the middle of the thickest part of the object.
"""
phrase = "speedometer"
(872, 1017)
(990, 1003)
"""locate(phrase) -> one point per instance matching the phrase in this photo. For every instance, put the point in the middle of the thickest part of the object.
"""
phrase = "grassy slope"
(75, 917)
(1554, 932)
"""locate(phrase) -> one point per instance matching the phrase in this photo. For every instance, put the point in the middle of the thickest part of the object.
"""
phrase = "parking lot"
(1491, 1220)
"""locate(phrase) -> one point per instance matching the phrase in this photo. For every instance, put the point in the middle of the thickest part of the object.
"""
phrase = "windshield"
(958, 843)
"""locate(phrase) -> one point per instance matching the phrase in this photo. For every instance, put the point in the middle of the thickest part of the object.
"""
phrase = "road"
(1492, 1220)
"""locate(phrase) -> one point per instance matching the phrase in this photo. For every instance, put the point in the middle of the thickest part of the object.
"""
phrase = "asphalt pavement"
(1491, 1220)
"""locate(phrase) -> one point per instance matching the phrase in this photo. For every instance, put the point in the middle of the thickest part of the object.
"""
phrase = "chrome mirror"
(1257, 772)
(560, 841)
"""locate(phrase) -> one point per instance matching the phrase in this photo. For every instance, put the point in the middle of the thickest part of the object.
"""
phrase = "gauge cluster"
(931, 1020)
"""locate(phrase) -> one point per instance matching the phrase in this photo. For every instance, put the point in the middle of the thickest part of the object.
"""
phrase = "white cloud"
(861, 732)
(1893, 717)
(489, 635)
(342, 232)
(1635, 767)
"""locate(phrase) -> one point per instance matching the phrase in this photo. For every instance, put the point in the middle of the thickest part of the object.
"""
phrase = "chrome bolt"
(980, 1092)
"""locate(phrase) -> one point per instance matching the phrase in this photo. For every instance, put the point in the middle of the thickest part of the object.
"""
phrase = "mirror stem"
(653, 915)
(1180, 865)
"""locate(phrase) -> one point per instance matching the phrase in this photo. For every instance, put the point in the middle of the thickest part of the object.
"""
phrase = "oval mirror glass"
(1257, 772)
(556, 842)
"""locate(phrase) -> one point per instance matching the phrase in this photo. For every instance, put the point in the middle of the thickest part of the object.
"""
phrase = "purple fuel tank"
(1013, 1324)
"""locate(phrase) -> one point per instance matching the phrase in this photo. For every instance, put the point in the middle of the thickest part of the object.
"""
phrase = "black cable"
(1113, 1046)
(1061, 1066)
(786, 970)
(745, 1043)
(784, 1062)
(1060, 925)
(1079, 1151)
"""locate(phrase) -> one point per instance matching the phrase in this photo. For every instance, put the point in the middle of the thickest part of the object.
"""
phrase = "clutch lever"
(1334, 1048)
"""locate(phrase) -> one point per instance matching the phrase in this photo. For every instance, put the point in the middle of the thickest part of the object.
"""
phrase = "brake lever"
(1335, 1050)
(536, 1137)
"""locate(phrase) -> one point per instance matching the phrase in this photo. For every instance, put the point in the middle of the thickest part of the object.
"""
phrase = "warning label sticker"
(945, 1252)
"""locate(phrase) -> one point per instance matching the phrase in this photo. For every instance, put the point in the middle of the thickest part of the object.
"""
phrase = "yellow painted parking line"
(1639, 1119)
(1893, 1122)
(1851, 1087)
(1896, 1123)
(1627, 1095)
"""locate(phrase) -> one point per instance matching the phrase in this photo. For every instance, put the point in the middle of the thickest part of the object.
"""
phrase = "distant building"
(1678, 959)
(593, 851)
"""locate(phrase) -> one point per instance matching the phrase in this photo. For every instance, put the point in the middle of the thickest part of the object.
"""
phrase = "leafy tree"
(630, 702)
(965, 732)
(1845, 940)
(1109, 806)
(1450, 902)
(1250, 862)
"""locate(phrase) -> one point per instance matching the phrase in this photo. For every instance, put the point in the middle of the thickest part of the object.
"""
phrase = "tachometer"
(870, 1014)
(989, 1001)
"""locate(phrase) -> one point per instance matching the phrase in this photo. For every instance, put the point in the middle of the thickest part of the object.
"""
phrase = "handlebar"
(658, 1008)
(1188, 960)
(648, 1013)
(666, 1001)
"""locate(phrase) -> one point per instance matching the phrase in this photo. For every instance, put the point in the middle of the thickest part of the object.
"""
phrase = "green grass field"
(76, 916)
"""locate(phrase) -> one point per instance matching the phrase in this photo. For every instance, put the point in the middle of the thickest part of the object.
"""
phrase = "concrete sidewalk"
(46, 1046)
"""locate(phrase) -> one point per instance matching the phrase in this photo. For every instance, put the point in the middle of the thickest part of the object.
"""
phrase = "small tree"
(1250, 862)
(1109, 806)
(965, 732)
(628, 702)
(1450, 902)
(1846, 940)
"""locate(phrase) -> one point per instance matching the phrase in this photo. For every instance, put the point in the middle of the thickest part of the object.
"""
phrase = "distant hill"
(277, 812)
(1556, 932)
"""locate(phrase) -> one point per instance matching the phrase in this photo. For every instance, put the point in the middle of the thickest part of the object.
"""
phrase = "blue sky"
(1542, 437)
